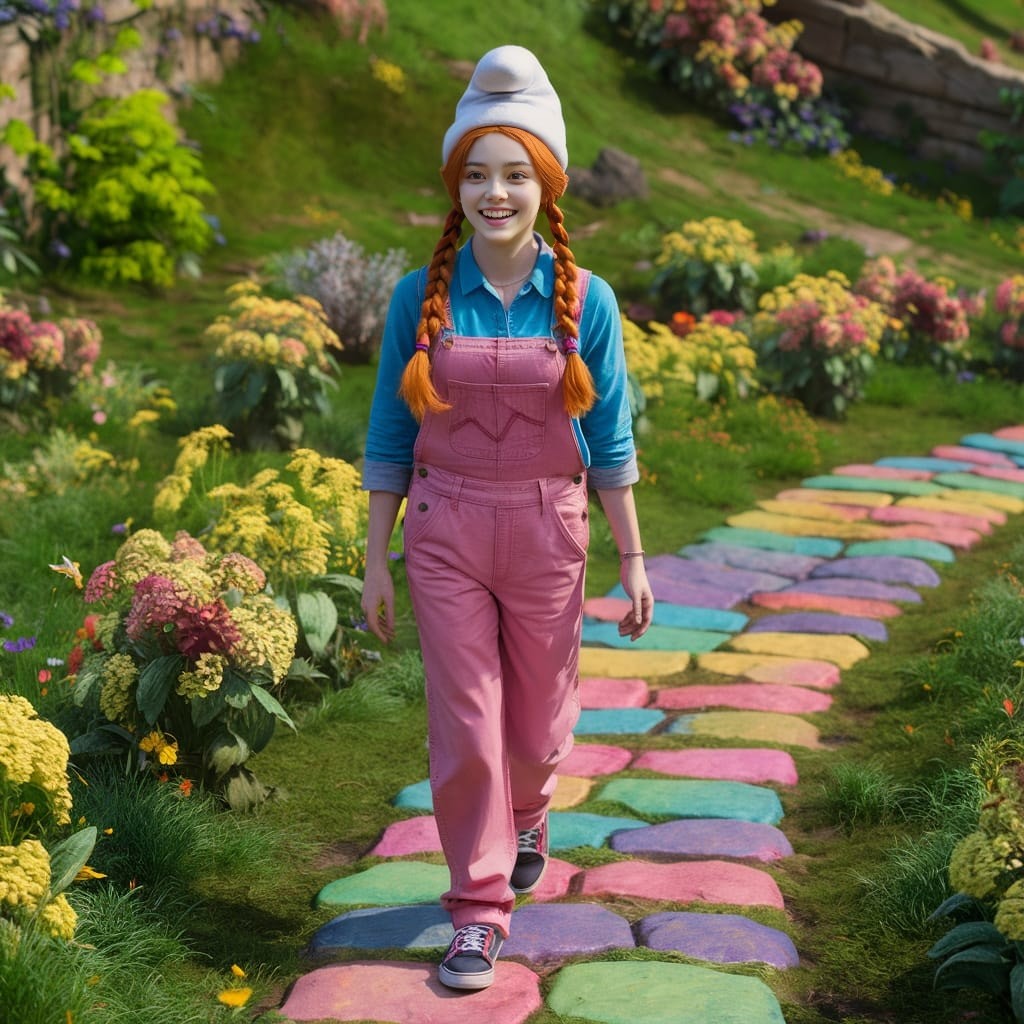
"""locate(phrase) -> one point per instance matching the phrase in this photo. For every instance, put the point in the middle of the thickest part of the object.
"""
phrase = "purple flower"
(97, 14)
(6, 620)
(60, 249)
(965, 376)
(23, 643)
(119, 528)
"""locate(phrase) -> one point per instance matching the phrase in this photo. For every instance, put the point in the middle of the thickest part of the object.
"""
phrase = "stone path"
(771, 607)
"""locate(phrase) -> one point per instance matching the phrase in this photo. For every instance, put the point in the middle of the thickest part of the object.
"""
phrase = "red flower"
(682, 323)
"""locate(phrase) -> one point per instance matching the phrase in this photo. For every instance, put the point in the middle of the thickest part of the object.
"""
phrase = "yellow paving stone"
(953, 504)
(874, 499)
(570, 790)
(812, 510)
(756, 726)
(619, 664)
(838, 648)
(1005, 502)
(731, 663)
(795, 526)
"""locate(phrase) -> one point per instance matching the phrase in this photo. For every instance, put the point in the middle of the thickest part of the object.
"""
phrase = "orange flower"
(682, 323)
(1008, 707)
(186, 787)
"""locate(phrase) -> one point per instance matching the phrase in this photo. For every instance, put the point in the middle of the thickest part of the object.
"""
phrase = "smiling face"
(500, 192)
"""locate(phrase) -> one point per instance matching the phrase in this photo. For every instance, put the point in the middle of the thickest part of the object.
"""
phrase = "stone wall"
(914, 83)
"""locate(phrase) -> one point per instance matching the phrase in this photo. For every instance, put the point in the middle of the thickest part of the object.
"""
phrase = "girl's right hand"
(378, 603)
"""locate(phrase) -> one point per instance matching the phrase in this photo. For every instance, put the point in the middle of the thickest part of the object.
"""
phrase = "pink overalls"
(496, 534)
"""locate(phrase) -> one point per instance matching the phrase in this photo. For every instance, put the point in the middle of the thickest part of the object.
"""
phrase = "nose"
(496, 189)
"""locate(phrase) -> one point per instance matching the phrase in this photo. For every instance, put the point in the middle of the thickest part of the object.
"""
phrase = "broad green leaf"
(340, 579)
(155, 682)
(67, 858)
(236, 689)
(318, 618)
(225, 752)
(970, 933)
(270, 702)
(1017, 992)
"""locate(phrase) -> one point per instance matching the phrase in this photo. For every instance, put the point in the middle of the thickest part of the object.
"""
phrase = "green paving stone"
(929, 550)
(657, 638)
(697, 798)
(386, 885)
(819, 547)
(652, 992)
(866, 483)
(753, 726)
(569, 829)
(974, 482)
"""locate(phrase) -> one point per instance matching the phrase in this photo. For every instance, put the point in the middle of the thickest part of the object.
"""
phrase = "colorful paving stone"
(753, 764)
(415, 796)
(387, 884)
(1015, 433)
(548, 933)
(844, 496)
(820, 622)
(976, 482)
(930, 517)
(593, 759)
(696, 798)
(706, 837)
(859, 483)
(750, 726)
(764, 668)
(556, 881)
(929, 463)
(606, 661)
(780, 600)
(651, 992)
(855, 586)
(413, 835)
(687, 570)
(831, 511)
(744, 697)
(985, 497)
(883, 470)
(1011, 446)
(816, 547)
(942, 536)
(757, 519)
(843, 651)
(599, 692)
(614, 606)
(708, 881)
(570, 829)
(719, 938)
(974, 455)
(884, 568)
(956, 501)
(617, 721)
(570, 791)
(930, 551)
(779, 563)
(657, 638)
(420, 927)
(382, 990)
(1000, 473)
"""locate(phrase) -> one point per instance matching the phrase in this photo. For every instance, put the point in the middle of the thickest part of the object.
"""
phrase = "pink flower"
(99, 417)
(102, 583)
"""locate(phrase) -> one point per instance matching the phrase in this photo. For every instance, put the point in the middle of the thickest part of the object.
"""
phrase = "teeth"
(499, 216)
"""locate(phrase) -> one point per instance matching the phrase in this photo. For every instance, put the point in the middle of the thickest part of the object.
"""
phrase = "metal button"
(551, 346)
(447, 343)
(422, 506)
(422, 471)
(577, 479)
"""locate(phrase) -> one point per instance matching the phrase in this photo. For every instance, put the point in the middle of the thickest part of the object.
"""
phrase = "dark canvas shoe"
(469, 961)
(531, 859)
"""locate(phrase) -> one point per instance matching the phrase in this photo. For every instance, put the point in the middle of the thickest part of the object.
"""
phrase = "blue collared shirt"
(605, 434)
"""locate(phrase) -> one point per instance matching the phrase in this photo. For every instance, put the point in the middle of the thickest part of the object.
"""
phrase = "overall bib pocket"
(495, 422)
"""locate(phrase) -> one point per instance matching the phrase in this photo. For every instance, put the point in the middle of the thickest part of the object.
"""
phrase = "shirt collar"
(470, 276)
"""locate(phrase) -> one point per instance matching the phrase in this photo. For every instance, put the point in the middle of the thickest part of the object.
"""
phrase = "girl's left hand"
(634, 578)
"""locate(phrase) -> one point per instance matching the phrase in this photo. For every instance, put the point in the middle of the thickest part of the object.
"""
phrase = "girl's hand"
(378, 603)
(634, 578)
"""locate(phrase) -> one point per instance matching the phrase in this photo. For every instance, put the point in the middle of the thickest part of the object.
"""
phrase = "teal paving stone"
(696, 798)
(719, 938)
(657, 638)
(387, 885)
(929, 550)
(546, 933)
(416, 796)
(569, 829)
(975, 482)
(617, 721)
(821, 622)
(685, 570)
(816, 547)
(684, 616)
(848, 586)
(706, 837)
(994, 444)
(881, 568)
(928, 462)
(780, 563)
(418, 927)
(654, 992)
(871, 483)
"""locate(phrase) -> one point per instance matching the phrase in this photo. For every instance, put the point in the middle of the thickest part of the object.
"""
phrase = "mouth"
(496, 216)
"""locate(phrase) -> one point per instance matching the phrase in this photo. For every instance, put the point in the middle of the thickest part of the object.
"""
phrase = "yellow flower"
(235, 996)
(165, 751)
(70, 569)
(86, 874)
(237, 971)
(35, 752)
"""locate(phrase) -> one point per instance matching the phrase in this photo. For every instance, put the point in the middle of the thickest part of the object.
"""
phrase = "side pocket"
(573, 516)
(422, 509)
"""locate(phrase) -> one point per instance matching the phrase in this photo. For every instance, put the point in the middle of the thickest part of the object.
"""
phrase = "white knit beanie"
(509, 87)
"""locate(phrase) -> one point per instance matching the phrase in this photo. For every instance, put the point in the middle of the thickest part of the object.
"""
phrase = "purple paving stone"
(699, 595)
(413, 835)
(674, 569)
(719, 938)
(744, 696)
(849, 586)
(409, 992)
(975, 455)
(881, 568)
(930, 517)
(705, 837)
(551, 933)
(820, 622)
(779, 563)
(753, 764)
(586, 760)
(598, 692)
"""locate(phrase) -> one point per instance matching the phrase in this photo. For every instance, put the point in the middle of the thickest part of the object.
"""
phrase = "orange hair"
(577, 384)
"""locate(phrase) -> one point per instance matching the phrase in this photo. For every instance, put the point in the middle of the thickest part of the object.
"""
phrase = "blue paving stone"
(871, 483)
(990, 443)
(820, 622)
(418, 927)
(615, 721)
(416, 796)
(569, 829)
(929, 463)
(719, 938)
(657, 638)
(696, 798)
(691, 616)
(706, 837)
(840, 586)
(817, 547)
(552, 932)
(781, 563)
(910, 547)
(973, 482)
(882, 568)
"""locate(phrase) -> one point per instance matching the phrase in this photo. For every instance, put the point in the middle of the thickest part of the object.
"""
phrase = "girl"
(501, 392)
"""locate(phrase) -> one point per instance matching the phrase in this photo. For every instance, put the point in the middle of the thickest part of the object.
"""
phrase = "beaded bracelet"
(630, 554)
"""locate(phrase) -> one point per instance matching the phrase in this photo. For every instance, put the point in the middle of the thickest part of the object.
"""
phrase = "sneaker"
(469, 962)
(531, 859)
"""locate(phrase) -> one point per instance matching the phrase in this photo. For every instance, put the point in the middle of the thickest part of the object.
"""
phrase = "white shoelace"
(529, 840)
(471, 938)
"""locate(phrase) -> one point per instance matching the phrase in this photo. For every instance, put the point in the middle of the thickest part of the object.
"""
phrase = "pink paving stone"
(1010, 433)
(954, 536)
(710, 881)
(413, 835)
(591, 759)
(929, 516)
(782, 599)
(386, 990)
(882, 472)
(871, 498)
(767, 668)
(557, 879)
(962, 453)
(1001, 473)
(601, 692)
(735, 764)
(745, 696)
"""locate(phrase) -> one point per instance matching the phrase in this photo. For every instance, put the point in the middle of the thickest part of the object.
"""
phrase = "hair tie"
(423, 344)
(571, 345)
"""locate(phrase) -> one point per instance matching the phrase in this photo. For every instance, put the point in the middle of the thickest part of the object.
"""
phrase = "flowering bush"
(816, 340)
(1009, 302)
(927, 323)
(42, 360)
(274, 359)
(188, 649)
(125, 394)
(707, 264)
(353, 289)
